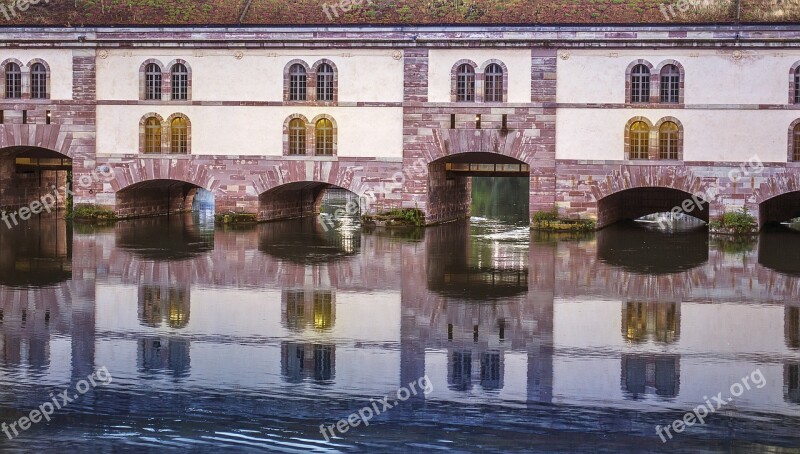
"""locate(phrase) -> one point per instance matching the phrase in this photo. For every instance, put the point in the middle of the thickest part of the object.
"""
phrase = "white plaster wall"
(712, 76)
(60, 63)
(256, 131)
(365, 75)
(709, 135)
(518, 62)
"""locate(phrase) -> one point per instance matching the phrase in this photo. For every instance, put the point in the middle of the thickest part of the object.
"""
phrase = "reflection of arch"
(152, 238)
(641, 373)
(451, 273)
(307, 241)
(779, 198)
(779, 250)
(656, 322)
(643, 251)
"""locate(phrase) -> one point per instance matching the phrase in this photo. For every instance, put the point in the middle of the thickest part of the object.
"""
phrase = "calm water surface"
(251, 338)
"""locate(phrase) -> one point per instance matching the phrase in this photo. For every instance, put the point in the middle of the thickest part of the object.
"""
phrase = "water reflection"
(262, 334)
(174, 237)
(779, 249)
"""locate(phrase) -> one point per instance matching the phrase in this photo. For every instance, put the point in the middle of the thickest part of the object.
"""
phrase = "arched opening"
(308, 199)
(782, 209)
(162, 197)
(498, 184)
(29, 174)
(663, 207)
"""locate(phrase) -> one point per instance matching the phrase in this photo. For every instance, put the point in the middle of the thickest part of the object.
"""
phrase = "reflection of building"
(164, 354)
(657, 322)
(303, 308)
(791, 383)
(650, 374)
(164, 304)
(302, 361)
(791, 327)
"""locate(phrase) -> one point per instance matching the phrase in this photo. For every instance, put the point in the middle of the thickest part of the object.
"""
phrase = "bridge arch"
(778, 198)
(303, 199)
(636, 191)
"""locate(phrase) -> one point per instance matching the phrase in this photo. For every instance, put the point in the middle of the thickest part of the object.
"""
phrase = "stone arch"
(454, 79)
(665, 186)
(448, 142)
(141, 170)
(51, 137)
(629, 71)
(309, 132)
(48, 75)
(778, 197)
(655, 79)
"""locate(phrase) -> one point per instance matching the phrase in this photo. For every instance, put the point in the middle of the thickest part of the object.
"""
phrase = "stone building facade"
(606, 122)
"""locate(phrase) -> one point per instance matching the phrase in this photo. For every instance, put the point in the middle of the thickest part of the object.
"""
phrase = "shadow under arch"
(449, 181)
(160, 197)
(633, 203)
(643, 251)
(175, 237)
(304, 199)
(454, 271)
(28, 173)
(37, 254)
(307, 241)
(781, 208)
(779, 250)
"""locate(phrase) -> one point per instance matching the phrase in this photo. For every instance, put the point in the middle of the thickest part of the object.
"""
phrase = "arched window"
(639, 140)
(324, 136)
(465, 83)
(493, 83)
(297, 137)
(179, 132)
(180, 82)
(796, 143)
(668, 140)
(797, 85)
(152, 135)
(297, 83)
(324, 82)
(640, 84)
(670, 84)
(38, 81)
(13, 81)
(152, 82)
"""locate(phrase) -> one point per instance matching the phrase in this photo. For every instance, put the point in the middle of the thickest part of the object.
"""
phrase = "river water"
(250, 338)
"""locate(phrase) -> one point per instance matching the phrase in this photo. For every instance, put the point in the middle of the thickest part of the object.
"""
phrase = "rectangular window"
(478, 121)
(48, 117)
(504, 126)
(24, 117)
(452, 121)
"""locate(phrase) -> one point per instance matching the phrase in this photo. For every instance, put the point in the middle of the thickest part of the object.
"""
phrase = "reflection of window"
(491, 371)
(295, 310)
(460, 378)
(158, 354)
(659, 322)
(791, 383)
(792, 327)
(645, 374)
(158, 305)
(323, 310)
(323, 362)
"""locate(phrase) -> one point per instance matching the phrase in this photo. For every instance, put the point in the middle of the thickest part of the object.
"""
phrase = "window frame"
(179, 134)
(39, 80)
(465, 82)
(494, 87)
(153, 143)
(640, 89)
(670, 84)
(326, 83)
(326, 146)
(179, 82)
(298, 83)
(669, 140)
(297, 136)
(13, 88)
